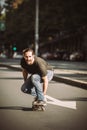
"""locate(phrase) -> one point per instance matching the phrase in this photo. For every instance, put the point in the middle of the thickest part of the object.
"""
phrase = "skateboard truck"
(38, 107)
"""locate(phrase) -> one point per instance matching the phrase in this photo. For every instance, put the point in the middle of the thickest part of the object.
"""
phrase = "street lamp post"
(37, 27)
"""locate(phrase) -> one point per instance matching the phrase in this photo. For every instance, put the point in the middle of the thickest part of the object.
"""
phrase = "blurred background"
(55, 29)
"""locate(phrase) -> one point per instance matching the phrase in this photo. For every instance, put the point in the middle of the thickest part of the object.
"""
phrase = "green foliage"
(2, 25)
(54, 16)
(8, 5)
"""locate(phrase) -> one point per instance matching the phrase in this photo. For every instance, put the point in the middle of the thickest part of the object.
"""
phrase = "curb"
(10, 67)
(70, 82)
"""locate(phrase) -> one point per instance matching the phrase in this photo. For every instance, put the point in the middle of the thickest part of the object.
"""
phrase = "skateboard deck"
(37, 107)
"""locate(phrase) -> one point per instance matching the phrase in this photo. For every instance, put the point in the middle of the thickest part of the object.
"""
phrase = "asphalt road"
(66, 106)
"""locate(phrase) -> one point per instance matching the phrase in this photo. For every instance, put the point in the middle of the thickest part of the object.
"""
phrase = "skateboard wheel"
(43, 108)
(38, 108)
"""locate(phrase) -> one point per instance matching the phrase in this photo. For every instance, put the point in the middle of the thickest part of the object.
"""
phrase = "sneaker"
(42, 103)
(35, 100)
(45, 99)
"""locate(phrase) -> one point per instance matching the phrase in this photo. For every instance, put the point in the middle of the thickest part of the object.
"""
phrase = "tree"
(55, 17)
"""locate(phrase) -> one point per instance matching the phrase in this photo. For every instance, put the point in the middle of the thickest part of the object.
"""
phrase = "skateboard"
(38, 107)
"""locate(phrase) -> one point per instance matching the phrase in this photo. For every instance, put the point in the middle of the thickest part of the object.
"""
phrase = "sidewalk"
(72, 77)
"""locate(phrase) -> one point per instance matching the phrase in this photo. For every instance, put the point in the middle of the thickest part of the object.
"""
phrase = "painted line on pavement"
(67, 104)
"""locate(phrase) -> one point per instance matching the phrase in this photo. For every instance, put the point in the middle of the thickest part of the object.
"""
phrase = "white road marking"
(67, 104)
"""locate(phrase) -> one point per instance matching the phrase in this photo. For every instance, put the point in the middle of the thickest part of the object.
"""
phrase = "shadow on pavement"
(74, 99)
(11, 78)
(15, 108)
